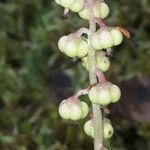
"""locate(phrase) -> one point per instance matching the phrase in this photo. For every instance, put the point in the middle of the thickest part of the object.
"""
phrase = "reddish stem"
(81, 92)
(80, 31)
(100, 22)
(100, 75)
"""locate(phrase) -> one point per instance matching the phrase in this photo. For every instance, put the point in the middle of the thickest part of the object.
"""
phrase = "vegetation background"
(35, 77)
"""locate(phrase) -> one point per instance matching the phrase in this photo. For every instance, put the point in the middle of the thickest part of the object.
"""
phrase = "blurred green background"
(35, 77)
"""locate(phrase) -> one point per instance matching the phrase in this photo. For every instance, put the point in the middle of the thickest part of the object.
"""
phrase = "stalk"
(97, 114)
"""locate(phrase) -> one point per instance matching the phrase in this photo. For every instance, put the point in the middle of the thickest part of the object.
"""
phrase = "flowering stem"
(97, 114)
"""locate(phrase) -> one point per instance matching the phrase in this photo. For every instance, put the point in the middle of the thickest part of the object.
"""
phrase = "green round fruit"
(93, 92)
(95, 41)
(102, 39)
(105, 39)
(62, 43)
(117, 36)
(104, 97)
(104, 10)
(89, 129)
(82, 48)
(58, 2)
(67, 3)
(102, 63)
(115, 93)
(71, 48)
(99, 9)
(108, 130)
(99, 95)
(75, 112)
(85, 13)
(85, 109)
(77, 6)
(64, 109)
(73, 109)
(96, 9)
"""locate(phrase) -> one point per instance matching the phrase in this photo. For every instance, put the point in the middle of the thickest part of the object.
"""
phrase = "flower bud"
(104, 10)
(95, 41)
(85, 13)
(62, 43)
(85, 109)
(102, 62)
(89, 129)
(100, 94)
(99, 9)
(64, 109)
(107, 130)
(73, 46)
(77, 6)
(65, 3)
(104, 38)
(117, 36)
(82, 48)
(115, 93)
(73, 109)
(73, 5)
(75, 112)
